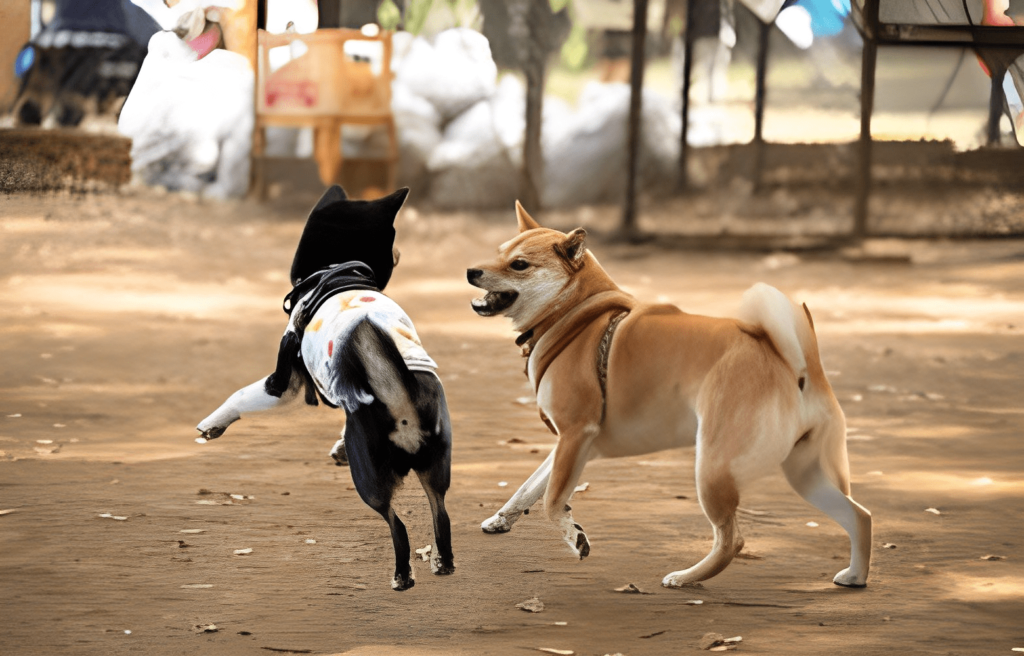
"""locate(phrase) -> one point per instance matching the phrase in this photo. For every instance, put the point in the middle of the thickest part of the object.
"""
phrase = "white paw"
(339, 453)
(498, 523)
(210, 431)
(678, 580)
(577, 541)
(849, 579)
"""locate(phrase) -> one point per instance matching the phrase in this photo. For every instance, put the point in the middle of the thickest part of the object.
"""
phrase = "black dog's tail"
(289, 365)
(369, 366)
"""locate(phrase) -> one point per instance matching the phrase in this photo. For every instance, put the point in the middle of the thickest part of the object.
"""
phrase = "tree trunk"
(636, 86)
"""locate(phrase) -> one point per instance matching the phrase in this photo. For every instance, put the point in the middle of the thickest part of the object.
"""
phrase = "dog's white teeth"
(479, 302)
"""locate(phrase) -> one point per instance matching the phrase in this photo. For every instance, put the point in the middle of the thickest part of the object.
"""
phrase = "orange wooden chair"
(335, 77)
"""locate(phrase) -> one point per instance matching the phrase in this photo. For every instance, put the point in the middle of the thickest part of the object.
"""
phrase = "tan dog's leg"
(719, 498)
(805, 471)
(521, 501)
(570, 456)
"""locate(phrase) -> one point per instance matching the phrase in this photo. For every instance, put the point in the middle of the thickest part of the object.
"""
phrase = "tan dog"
(615, 377)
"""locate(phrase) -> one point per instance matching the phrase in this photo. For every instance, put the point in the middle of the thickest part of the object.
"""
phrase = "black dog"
(353, 347)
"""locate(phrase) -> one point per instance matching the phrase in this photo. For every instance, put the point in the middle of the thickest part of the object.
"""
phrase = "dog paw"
(441, 568)
(211, 433)
(498, 523)
(339, 454)
(679, 580)
(848, 579)
(402, 582)
(582, 543)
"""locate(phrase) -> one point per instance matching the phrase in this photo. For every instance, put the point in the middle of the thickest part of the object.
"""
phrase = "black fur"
(378, 466)
(340, 230)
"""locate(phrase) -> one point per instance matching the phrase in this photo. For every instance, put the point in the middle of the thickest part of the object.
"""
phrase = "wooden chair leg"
(392, 155)
(327, 151)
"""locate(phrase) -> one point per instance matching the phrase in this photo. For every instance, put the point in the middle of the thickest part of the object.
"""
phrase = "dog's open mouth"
(494, 302)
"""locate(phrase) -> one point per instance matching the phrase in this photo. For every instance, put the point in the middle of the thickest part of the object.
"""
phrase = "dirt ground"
(125, 319)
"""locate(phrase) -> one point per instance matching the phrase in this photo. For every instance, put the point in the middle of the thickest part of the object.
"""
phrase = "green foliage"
(675, 27)
(575, 49)
(388, 15)
(416, 12)
(464, 12)
(558, 5)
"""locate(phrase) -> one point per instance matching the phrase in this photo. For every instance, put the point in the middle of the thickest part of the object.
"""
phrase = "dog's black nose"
(472, 275)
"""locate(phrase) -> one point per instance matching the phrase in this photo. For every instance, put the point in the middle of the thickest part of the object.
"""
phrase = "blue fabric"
(24, 61)
(827, 16)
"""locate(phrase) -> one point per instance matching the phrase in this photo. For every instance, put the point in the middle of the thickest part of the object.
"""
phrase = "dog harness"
(545, 342)
(323, 310)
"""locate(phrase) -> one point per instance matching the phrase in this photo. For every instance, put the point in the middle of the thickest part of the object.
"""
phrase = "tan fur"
(675, 379)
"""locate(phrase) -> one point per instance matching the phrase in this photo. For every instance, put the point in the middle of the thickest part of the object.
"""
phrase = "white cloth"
(334, 321)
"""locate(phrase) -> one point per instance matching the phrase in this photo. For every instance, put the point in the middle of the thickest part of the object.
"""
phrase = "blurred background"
(745, 108)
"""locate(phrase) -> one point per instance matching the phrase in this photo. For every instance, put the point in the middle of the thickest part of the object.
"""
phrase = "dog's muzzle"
(493, 302)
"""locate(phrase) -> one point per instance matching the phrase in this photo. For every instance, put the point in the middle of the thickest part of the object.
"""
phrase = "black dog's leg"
(400, 538)
(433, 465)
(376, 480)
(444, 562)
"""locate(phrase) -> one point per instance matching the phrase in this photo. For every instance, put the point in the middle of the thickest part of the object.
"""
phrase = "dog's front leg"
(522, 500)
(253, 398)
(570, 456)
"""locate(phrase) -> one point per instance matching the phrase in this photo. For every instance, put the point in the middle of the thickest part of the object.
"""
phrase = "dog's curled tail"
(787, 324)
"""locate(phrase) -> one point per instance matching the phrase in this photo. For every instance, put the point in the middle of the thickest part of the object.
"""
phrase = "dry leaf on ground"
(630, 588)
(533, 605)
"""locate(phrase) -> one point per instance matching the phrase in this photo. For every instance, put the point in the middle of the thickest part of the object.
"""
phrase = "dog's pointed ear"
(810, 320)
(390, 204)
(526, 221)
(574, 248)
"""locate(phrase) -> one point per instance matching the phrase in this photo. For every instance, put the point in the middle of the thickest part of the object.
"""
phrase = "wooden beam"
(869, 59)
(684, 178)
(16, 17)
(763, 37)
(995, 103)
(636, 87)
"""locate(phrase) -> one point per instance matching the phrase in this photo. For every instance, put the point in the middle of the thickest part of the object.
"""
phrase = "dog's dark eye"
(519, 265)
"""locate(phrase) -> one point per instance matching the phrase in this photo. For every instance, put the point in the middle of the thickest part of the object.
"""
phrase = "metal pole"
(995, 101)
(636, 84)
(762, 71)
(869, 58)
(684, 180)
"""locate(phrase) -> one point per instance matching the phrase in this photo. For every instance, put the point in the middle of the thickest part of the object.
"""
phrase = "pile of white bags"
(585, 153)
(461, 132)
(191, 121)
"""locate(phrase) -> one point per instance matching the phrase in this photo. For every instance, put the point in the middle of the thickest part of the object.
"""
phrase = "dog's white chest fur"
(330, 329)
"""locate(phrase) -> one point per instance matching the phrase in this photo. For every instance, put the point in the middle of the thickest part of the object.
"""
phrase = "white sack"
(454, 73)
(191, 121)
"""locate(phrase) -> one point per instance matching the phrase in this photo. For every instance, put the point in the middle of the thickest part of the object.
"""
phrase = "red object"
(367, 299)
(330, 348)
(290, 93)
(206, 42)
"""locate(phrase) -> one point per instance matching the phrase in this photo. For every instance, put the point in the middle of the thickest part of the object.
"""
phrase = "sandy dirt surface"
(124, 320)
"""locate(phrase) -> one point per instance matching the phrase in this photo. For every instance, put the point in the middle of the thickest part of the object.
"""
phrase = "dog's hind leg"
(400, 539)
(435, 484)
(811, 478)
(571, 455)
(719, 498)
(521, 502)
